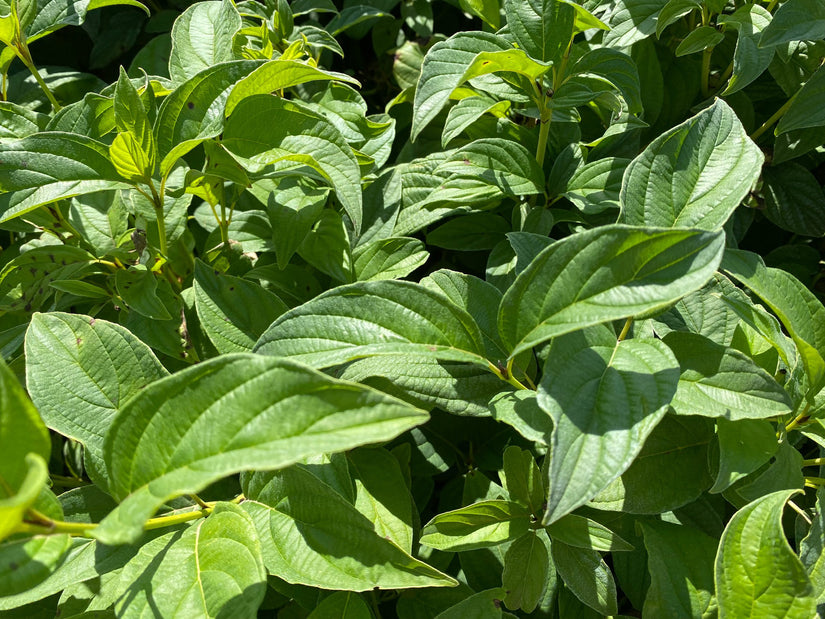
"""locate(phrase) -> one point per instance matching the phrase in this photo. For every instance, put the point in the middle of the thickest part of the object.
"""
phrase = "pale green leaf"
(605, 398)
(202, 37)
(696, 174)
(233, 311)
(302, 136)
(51, 166)
(604, 274)
(480, 525)
(757, 572)
(717, 381)
(312, 536)
(233, 413)
(374, 318)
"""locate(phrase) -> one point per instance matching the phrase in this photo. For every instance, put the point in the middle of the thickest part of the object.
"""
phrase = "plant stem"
(800, 511)
(799, 419)
(544, 132)
(773, 119)
(815, 482)
(625, 329)
(160, 216)
(67, 482)
(22, 51)
(706, 54)
(814, 462)
(506, 374)
(772, 5)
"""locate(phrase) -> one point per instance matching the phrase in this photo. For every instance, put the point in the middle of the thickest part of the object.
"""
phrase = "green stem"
(22, 51)
(706, 54)
(626, 329)
(507, 375)
(158, 201)
(772, 5)
(815, 482)
(773, 119)
(799, 419)
(814, 462)
(67, 482)
(544, 132)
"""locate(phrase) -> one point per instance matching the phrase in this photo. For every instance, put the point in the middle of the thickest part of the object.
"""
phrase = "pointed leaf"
(757, 572)
(51, 166)
(543, 28)
(608, 273)
(586, 574)
(795, 20)
(312, 536)
(81, 370)
(526, 568)
(605, 397)
(233, 413)
(302, 136)
(749, 61)
(581, 532)
(202, 37)
(805, 111)
(696, 174)
(374, 318)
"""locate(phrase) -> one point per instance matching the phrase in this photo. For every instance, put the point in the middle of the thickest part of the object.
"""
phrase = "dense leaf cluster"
(412, 308)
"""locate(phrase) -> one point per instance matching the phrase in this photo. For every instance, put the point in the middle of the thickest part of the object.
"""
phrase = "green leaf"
(229, 423)
(381, 494)
(194, 112)
(672, 12)
(744, 446)
(696, 174)
(211, 566)
(18, 122)
(605, 397)
(704, 37)
(797, 308)
(522, 479)
(233, 312)
(51, 166)
(631, 21)
(805, 110)
(278, 75)
(137, 286)
(202, 37)
(390, 258)
(794, 199)
(581, 532)
(586, 574)
(542, 28)
(486, 10)
(24, 563)
(374, 318)
(717, 381)
(15, 500)
(757, 572)
(526, 569)
(303, 137)
(443, 70)
(80, 370)
(480, 525)
(341, 605)
(604, 274)
(129, 159)
(312, 536)
(482, 605)
(749, 61)
(670, 471)
(595, 186)
(467, 111)
(795, 20)
(130, 116)
(812, 549)
(680, 562)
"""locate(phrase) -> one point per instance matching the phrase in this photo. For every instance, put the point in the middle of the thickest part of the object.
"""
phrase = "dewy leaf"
(194, 112)
(212, 566)
(795, 20)
(480, 525)
(543, 28)
(233, 311)
(799, 310)
(604, 274)
(717, 381)
(605, 397)
(680, 587)
(374, 318)
(757, 572)
(442, 71)
(230, 414)
(301, 135)
(202, 37)
(51, 166)
(80, 370)
(313, 536)
(696, 174)
(277, 75)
